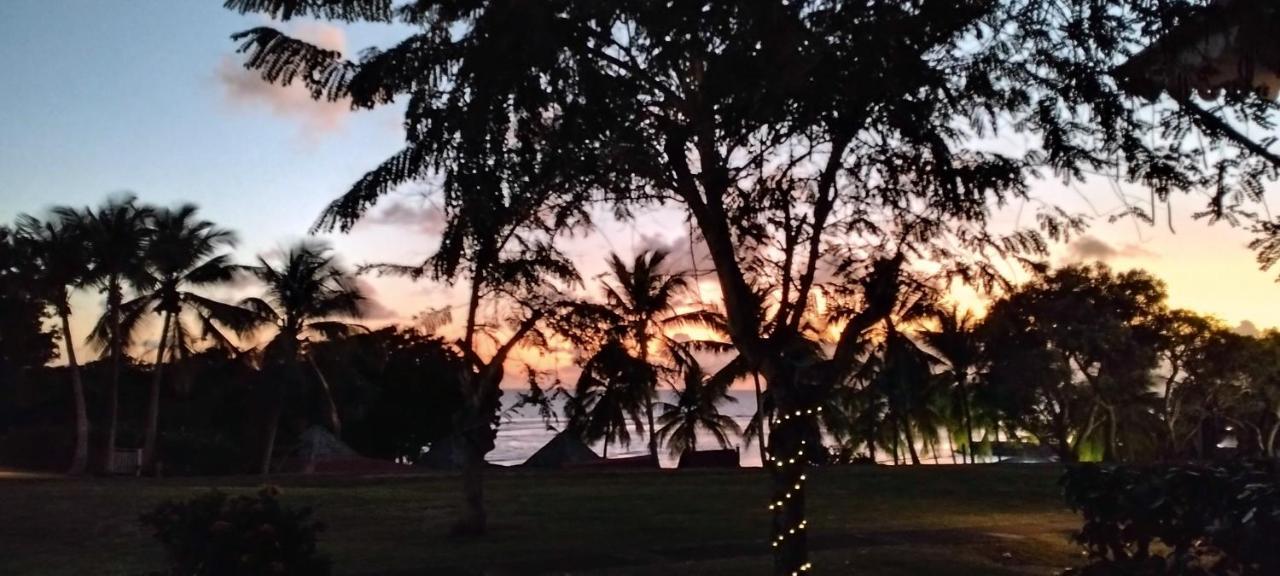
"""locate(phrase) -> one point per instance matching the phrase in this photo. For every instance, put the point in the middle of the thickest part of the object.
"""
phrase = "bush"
(219, 535)
(1220, 520)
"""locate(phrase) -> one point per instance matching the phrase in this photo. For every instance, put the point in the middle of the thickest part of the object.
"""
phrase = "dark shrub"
(219, 535)
(1184, 520)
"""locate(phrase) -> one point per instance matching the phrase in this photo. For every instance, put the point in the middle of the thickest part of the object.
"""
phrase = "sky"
(148, 96)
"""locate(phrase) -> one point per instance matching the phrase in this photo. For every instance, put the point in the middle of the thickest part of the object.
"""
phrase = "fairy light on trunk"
(787, 525)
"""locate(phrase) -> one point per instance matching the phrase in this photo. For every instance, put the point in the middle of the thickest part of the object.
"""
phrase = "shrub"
(1219, 520)
(214, 534)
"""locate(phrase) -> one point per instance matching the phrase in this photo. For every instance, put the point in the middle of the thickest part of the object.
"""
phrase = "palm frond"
(281, 60)
(346, 10)
(334, 330)
(242, 320)
(405, 166)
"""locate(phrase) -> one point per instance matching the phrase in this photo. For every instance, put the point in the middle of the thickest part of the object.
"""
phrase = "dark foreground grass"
(952, 520)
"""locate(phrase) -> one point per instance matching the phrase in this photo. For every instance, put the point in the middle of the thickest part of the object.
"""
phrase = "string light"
(780, 463)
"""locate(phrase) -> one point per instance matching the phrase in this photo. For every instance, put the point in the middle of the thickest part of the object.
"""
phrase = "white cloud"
(423, 218)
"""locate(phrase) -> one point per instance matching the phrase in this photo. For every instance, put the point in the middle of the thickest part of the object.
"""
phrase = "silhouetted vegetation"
(220, 535)
(1192, 520)
(839, 163)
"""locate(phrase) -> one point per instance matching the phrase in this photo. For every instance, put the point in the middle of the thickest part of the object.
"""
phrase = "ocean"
(523, 432)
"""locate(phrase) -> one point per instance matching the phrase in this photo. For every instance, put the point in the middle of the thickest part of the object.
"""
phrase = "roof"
(563, 450)
(709, 459)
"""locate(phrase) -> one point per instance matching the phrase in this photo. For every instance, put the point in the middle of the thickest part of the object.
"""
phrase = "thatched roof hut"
(563, 451)
(727, 458)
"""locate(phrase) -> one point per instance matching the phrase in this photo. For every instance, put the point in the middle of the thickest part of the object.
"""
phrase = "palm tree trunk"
(273, 427)
(153, 405)
(80, 458)
(951, 447)
(1109, 453)
(335, 421)
(764, 419)
(911, 443)
(653, 391)
(897, 439)
(1271, 438)
(968, 419)
(108, 449)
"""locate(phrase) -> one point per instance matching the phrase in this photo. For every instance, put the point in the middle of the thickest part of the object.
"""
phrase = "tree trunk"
(764, 420)
(335, 421)
(788, 467)
(968, 419)
(153, 404)
(1109, 453)
(897, 440)
(80, 458)
(652, 392)
(911, 443)
(474, 521)
(273, 426)
(477, 440)
(1271, 438)
(108, 449)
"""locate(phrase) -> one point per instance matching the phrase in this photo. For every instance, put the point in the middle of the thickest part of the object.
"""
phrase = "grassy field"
(954, 520)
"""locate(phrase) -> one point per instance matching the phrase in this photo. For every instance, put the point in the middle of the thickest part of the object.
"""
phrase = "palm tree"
(696, 407)
(61, 262)
(607, 396)
(182, 254)
(956, 340)
(116, 234)
(308, 294)
(641, 296)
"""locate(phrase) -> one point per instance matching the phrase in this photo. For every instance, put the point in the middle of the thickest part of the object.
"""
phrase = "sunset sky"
(148, 96)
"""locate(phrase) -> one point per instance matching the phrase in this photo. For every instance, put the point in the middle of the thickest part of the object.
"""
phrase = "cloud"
(426, 219)
(682, 254)
(372, 308)
(1247, 328)
(245, 89)
(1089, 247)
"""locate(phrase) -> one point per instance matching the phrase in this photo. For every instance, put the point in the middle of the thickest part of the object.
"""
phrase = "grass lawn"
(953, 520)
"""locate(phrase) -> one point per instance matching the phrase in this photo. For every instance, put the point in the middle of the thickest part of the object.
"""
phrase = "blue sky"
(147, 96)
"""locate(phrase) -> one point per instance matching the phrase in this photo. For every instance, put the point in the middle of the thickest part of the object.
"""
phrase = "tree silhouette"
(308, 296)
(696, 407)
(116, 233)
(1070, 349)
(183, 253)
(61, 262)
(25, 341)
(614, 388)
(831, 127)
(957, 341)
(641, 295)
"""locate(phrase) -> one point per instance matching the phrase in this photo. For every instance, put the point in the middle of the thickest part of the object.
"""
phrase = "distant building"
(728, 458)
(563, 451)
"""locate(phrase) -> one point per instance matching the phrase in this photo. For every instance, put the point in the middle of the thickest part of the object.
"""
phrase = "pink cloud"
(245, 89)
